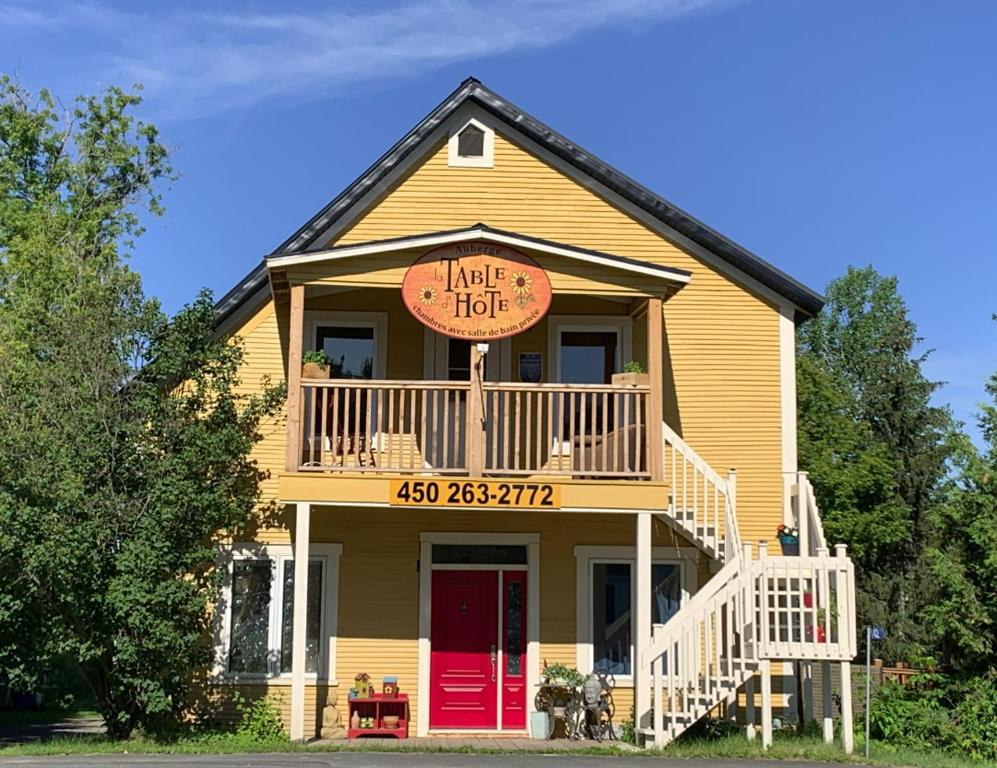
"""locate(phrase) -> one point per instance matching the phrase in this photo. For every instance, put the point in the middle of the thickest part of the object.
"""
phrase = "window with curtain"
(612, 592)
(261, 618)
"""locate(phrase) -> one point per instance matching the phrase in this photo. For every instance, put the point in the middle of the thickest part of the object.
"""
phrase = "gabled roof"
(678, 277)
(808, 301)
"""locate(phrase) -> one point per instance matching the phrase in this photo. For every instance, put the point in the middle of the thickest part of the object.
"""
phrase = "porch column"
(294, 351)
(642, 621)
(766, 667)
(847, 734)
(826, 704)
(476, 416)
(300, 626)
(655, 403)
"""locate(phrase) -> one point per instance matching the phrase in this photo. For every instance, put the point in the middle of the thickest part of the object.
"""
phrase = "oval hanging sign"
(476, 291)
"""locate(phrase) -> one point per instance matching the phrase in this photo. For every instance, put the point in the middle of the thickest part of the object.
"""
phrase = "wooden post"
(476, 434)
(826, 705)
(299, 632)
(749, 708)
(655, 403)
(847, 733)
(803, 514)
(766, 667)
(294, 352)
(642, 623)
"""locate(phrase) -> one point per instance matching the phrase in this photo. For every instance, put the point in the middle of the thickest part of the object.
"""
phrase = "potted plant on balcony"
(789, 539)
(633, 375)
(315, 364)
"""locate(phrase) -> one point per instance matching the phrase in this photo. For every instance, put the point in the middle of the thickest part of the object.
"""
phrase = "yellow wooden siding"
(722, 340)
(379, 582)
(216, 703)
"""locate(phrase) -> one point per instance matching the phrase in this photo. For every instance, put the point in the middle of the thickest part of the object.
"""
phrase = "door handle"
(494, 656)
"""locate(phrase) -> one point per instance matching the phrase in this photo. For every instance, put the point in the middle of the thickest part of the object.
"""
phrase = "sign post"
(871, 633)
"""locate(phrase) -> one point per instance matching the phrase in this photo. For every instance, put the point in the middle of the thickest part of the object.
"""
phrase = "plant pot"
(821, 634)
(390, 721)
(314, 371)
(632, 379)
(790, 545)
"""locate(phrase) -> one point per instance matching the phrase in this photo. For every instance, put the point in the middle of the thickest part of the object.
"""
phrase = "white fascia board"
(429, 241)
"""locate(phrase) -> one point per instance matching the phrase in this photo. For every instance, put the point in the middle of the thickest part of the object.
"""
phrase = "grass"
(785, 747)
(793, 747)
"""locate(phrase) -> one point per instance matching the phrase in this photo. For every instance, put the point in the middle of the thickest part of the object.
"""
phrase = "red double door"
(478, 659)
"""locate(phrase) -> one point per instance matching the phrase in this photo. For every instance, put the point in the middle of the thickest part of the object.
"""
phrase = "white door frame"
(426, 540)
(621, 325)
(435, 348)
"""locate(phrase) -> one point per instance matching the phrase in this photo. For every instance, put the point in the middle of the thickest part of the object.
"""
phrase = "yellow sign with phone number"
(474, 494)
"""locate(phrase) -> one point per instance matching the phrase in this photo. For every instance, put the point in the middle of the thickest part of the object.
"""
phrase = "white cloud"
(200, 62)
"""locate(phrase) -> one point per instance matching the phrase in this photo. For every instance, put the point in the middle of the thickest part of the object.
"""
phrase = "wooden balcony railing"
(434, 427)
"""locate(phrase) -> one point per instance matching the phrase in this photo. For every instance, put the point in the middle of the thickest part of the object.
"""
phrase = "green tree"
(961, 561)
(124, 436)
(878, 451)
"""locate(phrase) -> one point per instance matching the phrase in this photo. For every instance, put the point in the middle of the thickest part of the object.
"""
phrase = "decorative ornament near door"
(477, 291)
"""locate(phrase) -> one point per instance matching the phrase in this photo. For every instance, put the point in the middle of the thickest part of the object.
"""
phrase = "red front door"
(463, 667)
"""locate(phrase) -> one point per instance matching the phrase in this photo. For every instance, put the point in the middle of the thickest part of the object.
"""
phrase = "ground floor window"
(606, 589)
(258, 611)
(613, 606)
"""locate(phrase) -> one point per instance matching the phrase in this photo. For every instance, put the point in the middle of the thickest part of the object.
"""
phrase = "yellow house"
(558, 425)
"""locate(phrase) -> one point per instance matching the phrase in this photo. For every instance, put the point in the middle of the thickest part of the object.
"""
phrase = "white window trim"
(314, 319)
(329, 555)
(487, 159)
(621, 325)
(687, 558)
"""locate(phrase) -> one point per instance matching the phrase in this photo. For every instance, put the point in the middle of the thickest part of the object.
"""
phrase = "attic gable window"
(471, 142)
(471, 145)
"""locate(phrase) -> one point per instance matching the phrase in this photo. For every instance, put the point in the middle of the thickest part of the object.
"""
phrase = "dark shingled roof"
(808, 301)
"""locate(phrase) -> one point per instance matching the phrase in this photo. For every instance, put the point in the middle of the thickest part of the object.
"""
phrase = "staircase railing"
(772, 608)
(803, 513)
(703, 503)
(705, 651)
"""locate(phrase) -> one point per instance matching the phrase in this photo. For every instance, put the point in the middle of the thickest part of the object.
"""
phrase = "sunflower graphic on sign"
(427, 295)
(522, 286)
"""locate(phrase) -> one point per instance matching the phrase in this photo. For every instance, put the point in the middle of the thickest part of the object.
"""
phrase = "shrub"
(259, 720)
(975, 719)
(933, 712)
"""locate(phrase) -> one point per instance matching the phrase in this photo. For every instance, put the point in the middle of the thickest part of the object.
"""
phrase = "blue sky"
(818, 134)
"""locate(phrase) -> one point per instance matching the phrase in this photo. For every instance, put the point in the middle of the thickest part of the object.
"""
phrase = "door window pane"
(250, 625)
(350, 350)
(588, 357)
(514, 629)
(479, 554)
(312, 622)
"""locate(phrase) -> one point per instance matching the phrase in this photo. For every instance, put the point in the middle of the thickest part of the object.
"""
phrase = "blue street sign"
(878, 633)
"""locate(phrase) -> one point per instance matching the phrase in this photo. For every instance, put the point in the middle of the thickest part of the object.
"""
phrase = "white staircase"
(750, 613)
(701, 504)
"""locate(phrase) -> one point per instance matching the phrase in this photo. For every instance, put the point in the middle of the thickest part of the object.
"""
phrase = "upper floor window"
(471, 142)
(472, 145)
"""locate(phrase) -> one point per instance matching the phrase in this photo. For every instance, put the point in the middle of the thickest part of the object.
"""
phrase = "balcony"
(475, 428)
